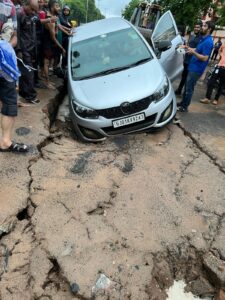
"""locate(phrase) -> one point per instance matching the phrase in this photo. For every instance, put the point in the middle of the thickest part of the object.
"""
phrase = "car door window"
(165, 29)
(171, 60)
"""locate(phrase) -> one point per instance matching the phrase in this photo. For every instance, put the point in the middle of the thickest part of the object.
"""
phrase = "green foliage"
(128, 11)
(221, 20)
(79, 10)
(186, 12)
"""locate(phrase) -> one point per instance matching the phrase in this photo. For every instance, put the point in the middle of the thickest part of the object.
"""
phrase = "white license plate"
(128, 120)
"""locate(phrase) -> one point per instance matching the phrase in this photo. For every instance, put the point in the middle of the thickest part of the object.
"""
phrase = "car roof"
(99, 27)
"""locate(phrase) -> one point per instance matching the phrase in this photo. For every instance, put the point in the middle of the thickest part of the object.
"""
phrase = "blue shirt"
(193, 42)
(204, 47)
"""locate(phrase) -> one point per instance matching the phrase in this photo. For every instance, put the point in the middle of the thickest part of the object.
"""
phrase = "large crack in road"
(95, 210)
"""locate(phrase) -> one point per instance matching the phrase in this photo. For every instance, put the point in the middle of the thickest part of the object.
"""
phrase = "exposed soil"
(118, 220)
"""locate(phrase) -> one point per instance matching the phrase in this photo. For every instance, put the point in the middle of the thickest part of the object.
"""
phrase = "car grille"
(131, 127)
(134, 107)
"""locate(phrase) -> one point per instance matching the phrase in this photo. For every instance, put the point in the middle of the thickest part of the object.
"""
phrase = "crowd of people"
(199, 49)
(38, 31)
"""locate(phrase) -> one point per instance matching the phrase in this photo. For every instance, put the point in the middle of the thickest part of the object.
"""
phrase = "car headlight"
(162, 91)
(84, 112)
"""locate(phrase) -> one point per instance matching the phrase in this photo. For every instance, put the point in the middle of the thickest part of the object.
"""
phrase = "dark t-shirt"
(193, 43)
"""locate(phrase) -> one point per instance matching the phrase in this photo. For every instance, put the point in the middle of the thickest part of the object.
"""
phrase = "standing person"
(51, 44)
(64, 20)
(25, 49)
(198, 63)
(40, 20)
(219, 73)
(217, 46)
(8, 93)
(192, 42)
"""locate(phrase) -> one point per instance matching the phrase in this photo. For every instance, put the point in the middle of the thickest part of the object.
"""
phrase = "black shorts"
(8, 96)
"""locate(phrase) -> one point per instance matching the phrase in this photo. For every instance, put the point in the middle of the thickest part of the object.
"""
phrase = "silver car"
(117, 83)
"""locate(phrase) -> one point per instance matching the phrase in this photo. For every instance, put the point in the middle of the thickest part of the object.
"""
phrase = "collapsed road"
(121, 219)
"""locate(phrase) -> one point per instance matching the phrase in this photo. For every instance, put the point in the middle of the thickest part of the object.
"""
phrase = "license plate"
(128, 120)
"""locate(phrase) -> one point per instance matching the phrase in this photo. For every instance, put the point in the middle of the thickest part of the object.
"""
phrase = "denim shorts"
(8, 96)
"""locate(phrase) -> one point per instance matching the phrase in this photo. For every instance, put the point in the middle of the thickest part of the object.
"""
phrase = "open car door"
(166, 30)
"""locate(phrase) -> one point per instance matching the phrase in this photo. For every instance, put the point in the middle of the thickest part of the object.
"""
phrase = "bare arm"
(64, 29)
(48, 20)
(201, 57)
(51, 28)
(13, 40)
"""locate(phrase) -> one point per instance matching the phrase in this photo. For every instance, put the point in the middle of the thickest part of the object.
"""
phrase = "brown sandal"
(215, 102)
(205, 101)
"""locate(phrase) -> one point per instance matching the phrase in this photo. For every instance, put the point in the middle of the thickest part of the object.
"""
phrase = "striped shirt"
(7, 11)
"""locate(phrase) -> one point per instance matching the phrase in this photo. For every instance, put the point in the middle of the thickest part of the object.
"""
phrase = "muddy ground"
(116, 220)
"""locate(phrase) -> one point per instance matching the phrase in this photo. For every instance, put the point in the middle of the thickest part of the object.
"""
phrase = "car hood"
(113, 89)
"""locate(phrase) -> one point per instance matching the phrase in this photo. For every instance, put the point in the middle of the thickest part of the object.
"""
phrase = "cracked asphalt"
(120, 219)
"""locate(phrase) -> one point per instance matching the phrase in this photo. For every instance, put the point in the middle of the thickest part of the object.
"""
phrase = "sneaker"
(182, 109)
(34, 101)
(179, 104)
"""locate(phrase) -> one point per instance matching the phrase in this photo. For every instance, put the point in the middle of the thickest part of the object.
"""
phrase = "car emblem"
(125, 108)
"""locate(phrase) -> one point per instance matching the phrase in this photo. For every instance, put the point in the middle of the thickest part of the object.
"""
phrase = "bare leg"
(7, 124)
(46, 69)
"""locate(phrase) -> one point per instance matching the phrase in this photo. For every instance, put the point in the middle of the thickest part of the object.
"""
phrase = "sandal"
(16, 148)
(205, 101)
(215, 102)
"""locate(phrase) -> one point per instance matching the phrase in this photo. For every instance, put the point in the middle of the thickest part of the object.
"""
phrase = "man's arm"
(13, 40)
(51, 28)
(192, 51)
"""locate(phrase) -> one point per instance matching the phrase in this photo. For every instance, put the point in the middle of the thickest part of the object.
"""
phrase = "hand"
(190, 50)
(63, 52)
(54, 19)
(19, 55)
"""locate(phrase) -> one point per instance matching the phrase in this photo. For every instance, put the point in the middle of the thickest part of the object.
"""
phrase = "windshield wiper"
(106, 72)
(113, 70)
(141, 61)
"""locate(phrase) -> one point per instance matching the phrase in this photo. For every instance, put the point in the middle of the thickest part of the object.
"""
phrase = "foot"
(16, 148)
(182, 109)
(215, 102)
(205, 101)
(50, 86)
(179, 104)
(22, 104)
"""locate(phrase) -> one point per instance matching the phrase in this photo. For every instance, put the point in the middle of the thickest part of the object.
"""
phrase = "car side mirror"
(163, 45)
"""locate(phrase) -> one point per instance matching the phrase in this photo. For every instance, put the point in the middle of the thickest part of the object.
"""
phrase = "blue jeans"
(191, 81)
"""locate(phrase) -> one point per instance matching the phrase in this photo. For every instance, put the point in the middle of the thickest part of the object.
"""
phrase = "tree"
(79, 10)
(129, 9)
(185, 12)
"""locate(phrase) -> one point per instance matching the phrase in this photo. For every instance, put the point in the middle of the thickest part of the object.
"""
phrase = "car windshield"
(108, 53)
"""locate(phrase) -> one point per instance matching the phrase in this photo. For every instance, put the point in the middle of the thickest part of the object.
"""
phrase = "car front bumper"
(156, 115)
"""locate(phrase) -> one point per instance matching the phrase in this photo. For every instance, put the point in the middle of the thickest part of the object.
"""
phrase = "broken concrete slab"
(216, 269)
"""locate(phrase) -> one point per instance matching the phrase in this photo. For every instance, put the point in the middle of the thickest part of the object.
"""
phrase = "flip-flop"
(16, 148)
